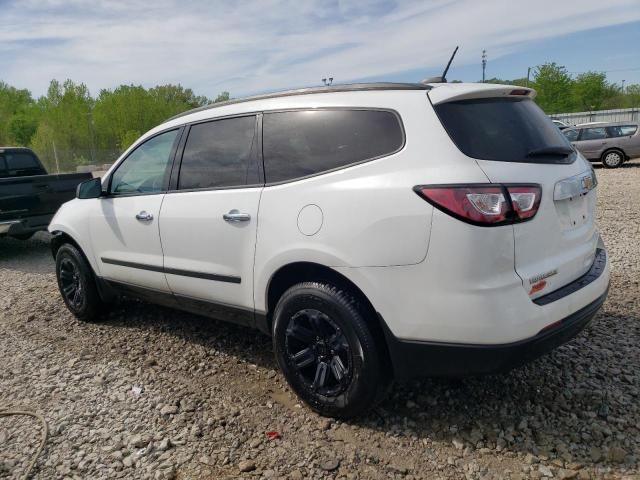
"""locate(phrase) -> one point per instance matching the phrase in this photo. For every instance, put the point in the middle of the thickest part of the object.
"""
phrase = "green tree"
(65, 125)
(22, 127)
(122, 114)
(222, 97)
(553, 84)
(15, 102)
(630, 98)
(590, 91)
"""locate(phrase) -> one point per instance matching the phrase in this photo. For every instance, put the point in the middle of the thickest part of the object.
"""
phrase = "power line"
(610, 71)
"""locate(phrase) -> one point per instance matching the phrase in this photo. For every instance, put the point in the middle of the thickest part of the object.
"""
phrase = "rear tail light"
(484, 205)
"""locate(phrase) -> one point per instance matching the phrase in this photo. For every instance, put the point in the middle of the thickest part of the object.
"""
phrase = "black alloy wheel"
(319, 352)
(329, 351)
(77, 284)
(71, 283)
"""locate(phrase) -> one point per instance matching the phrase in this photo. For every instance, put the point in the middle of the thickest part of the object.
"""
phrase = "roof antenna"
(443, 78)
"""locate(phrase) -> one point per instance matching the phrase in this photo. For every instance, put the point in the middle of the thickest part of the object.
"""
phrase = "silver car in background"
(609, 143)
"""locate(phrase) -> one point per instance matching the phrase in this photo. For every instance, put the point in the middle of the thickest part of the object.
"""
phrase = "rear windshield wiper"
(541, 152)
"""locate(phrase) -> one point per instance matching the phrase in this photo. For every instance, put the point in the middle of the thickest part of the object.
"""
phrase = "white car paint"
(429, 275)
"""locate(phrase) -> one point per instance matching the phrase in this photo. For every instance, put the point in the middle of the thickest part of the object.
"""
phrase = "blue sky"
(251, 46)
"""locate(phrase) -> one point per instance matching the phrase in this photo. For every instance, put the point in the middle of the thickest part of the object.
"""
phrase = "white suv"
(376, 231)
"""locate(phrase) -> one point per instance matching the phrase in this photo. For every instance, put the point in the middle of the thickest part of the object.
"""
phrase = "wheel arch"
(297, 272)
(58, 239)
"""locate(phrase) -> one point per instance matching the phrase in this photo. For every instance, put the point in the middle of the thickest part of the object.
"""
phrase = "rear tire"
(327, 352)
(77, 284)
(612, 158)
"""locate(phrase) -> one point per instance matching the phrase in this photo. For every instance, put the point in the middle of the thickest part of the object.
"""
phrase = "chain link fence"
(617, 115)
(58, 160)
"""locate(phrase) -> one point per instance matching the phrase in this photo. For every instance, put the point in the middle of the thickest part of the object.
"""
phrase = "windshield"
(504, 130)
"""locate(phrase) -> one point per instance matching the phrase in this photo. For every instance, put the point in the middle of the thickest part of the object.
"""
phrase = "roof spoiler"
(453, 93)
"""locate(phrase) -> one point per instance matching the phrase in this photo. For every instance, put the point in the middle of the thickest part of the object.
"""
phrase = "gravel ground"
(155, 393)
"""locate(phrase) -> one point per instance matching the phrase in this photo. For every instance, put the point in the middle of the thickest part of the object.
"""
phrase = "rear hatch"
(513, 141)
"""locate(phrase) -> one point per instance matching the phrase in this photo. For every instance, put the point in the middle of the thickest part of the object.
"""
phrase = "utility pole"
(55, 155)
(484, 64)
(91, 140)
(528, 75)
(623, 86)
(327, 81)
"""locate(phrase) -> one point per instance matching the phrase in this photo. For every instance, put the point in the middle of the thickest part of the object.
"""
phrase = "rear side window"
(597, 133)
(504, 130)
(221, 153)
(301, 143)
(622, 130)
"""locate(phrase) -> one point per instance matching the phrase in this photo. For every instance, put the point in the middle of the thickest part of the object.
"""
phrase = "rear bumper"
(5, 226)
(25, 225)
(419, 359)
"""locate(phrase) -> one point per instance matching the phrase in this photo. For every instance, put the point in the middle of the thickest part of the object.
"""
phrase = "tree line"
(560, 92)
(68, 127)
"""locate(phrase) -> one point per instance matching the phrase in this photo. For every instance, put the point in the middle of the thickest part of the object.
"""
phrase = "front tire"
(612, 159)
(327, 352)
(77, 283)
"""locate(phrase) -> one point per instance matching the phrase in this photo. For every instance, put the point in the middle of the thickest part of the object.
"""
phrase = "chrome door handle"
(144, 216)
(236, 216)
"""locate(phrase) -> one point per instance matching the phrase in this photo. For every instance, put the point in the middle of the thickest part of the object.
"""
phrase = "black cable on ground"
(45, 434)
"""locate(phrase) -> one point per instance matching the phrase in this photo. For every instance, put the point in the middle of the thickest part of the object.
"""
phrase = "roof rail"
(352, 87)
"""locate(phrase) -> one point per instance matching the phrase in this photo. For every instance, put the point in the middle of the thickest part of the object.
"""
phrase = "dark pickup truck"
(28, 196)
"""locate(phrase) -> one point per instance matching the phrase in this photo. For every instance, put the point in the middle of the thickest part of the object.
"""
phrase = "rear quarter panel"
(371, 217)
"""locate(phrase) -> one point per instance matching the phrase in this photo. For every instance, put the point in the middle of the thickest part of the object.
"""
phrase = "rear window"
(302, 143)
(21, 161)
(504, 130)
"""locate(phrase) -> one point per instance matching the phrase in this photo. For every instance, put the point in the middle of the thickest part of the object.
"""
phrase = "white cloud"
(258, 45)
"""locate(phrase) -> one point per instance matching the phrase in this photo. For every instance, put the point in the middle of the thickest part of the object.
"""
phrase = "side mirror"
(89, 189)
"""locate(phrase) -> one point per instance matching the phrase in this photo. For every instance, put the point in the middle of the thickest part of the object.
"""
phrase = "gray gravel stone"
(211, 391)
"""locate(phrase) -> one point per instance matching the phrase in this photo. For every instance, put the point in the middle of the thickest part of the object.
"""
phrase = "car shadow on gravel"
(28, 256)
(571, 404)
(565, 405)
(243, 343)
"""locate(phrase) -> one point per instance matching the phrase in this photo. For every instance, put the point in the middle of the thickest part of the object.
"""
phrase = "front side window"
(221, 153)
(146, 169)
(597, 133)
(301, 143)
(572, 135)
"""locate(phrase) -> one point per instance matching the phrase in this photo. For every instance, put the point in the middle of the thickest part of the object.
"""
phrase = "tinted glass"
(220, 154)
(627, 130)
(593, 133)
(145, 170)
(301, 143)
(503, 129)
(571, 135)
(21, 161)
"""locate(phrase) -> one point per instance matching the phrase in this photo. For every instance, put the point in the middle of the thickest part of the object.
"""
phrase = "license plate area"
(572, 199)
